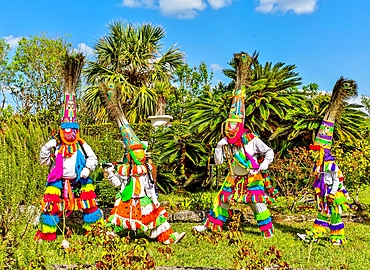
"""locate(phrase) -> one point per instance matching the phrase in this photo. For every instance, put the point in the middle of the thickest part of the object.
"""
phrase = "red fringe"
(165, 235)
(90, 210)
(153, 216)
(87, 195)
(45, 236)
(51, 198)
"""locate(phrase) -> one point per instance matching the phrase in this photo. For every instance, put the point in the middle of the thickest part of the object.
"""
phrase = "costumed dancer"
(136, 207)
(330, 194)
(249, 157)
(68, 185)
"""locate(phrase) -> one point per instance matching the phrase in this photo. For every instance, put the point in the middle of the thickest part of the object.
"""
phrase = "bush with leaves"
(354, 163)
(293, 174)
(21, 183)
(181, 159)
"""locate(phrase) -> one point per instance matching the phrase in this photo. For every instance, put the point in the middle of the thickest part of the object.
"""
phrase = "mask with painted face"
(69, 134)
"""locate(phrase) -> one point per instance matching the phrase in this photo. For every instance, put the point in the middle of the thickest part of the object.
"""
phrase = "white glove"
(221, 143)
(263, 166)
(109, 168)
(50, 144)
(155, 202)
(85, 173)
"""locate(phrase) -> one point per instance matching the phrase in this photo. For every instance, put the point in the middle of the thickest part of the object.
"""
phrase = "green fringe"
(160, 220)
(262, 216)
(145, 201)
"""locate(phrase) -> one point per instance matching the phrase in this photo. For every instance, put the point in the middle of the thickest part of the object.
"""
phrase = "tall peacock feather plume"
(343, 90)
(234, 125)
(72, 68)
(111, 98)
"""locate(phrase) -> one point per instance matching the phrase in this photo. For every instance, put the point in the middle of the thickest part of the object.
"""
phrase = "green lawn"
(193, 253)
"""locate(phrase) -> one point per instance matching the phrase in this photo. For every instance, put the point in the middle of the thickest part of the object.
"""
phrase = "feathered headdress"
(343, 90)
(73, 64)
(234, 125)
(111, 97)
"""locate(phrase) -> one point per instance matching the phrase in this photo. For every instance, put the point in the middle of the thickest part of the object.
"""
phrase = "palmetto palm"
(302, 122)
(267, 100)
(130, 57)
(206, 115)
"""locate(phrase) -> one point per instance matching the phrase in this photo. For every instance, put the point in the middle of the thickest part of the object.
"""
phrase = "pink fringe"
(266, 227)
(215, 220)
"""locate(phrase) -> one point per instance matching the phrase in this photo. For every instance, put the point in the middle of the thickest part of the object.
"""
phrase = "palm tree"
(302, 122)
(130, 57)
(267, 101)
(181, 159)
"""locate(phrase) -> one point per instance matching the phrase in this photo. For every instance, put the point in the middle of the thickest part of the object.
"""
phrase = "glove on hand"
(263, 166)
(221, 143)
(50, 144)
(156, 203)
(109, 168)
(85, 173)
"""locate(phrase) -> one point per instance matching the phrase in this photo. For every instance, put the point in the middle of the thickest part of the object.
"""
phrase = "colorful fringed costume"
(248, 181)
(136, 207)
(330, 193)
(68, 186)
(331, 197)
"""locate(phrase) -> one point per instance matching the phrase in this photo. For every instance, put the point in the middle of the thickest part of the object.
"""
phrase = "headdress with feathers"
(343, 90)
(72, 68)
(234, 125)
(111, 97)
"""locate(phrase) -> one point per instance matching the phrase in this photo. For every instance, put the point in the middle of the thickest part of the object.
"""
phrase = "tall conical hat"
(343, 90)
(73, 64)
(112, 99)
(235, 122)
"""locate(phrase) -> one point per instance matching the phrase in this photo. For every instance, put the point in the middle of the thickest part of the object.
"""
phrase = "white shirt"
(331, 179)
(253, 147)
(146, 186)
(69, 164)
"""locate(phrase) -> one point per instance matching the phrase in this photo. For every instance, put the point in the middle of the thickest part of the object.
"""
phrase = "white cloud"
(86, 50)
(216, 67)
(216, 4)
(183, 9)
(298, 6)
(138, 3)
(12, 41)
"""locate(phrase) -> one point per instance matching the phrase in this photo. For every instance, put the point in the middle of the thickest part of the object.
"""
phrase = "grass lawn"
(196, 251)
(354, 255)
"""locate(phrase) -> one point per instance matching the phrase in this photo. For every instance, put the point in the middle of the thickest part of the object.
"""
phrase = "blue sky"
(325, 39)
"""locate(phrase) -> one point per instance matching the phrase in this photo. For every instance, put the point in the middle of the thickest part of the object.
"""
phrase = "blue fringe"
(220, 217)
(50, 220)
(264, 222)
(92, 217)
(227, 189)
(256, 188)
(80, 164)
(57, 184)
(85, 181)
